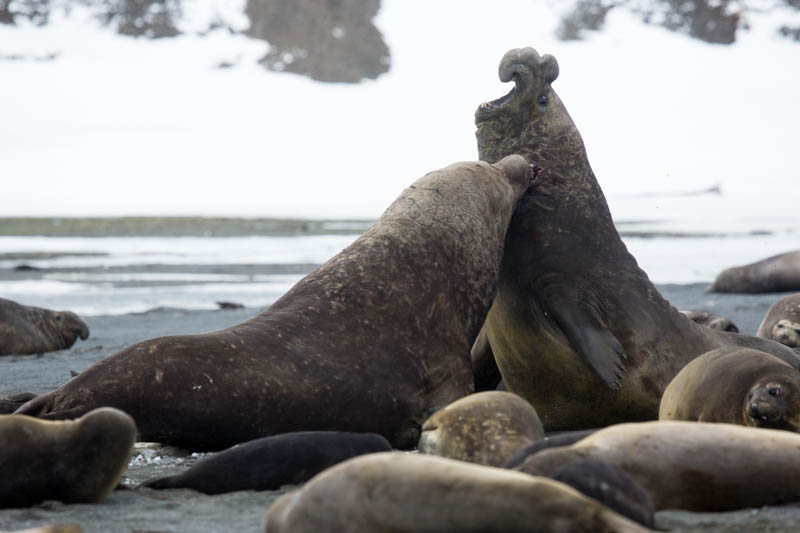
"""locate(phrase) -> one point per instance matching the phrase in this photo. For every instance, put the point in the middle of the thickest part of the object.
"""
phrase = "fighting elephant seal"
(76, 461)
(26, 329)
(577, 328)
(737, 386)
(271, 462)
(373, 341)
(411, 492)
(782, 322)
(484, 428)
(779, 273)
(694, 466)
(710, 320)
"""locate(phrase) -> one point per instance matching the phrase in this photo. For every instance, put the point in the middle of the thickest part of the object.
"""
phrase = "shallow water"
(117, 275)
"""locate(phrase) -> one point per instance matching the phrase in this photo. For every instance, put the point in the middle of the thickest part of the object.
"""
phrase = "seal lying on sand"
(76, 461)
(271, 462)
(9, 404)
(710, 320)
(411, 492)
(484, 428)
(25, 329)
(782, 322)
(373, 341)
(737, 386)
(693, 466)
(779, 273)
(574, 313)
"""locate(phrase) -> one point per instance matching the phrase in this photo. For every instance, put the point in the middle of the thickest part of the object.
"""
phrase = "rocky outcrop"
(327, 40)
(712, 21)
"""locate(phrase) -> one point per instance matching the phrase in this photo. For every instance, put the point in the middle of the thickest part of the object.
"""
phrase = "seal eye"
(542, 100)
(59, 318)
(774, 391)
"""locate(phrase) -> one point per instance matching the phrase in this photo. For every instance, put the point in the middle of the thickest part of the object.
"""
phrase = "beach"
(183, 510)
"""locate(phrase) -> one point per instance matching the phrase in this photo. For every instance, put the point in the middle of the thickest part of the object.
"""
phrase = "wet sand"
(186, 511)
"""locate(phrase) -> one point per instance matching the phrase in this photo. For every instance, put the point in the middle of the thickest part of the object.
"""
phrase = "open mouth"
(513, 68)
(503, 99)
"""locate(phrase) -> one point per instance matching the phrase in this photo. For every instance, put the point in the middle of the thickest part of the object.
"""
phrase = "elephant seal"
(76, 461)
(576, 328)
(411, 492)
(782, 322)
(738, 386)
(9, 404)
(271, 462)
(26, 329)
(779, 273)
(564, 438)
(694, 466)
(710, 320)
(484, 428)
(611, 486)
(373, 341)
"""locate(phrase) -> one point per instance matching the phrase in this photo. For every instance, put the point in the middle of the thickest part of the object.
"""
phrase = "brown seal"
(373, 341)
(76, 461)
(574, 313)
(779, 273)
(737, 386)
(694, 466)
(397, 491)
(26, 329)
(782, 322)
(710, 320)
(484, 428)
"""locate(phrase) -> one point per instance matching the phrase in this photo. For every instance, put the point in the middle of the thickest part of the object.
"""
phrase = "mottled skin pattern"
(576, 328)
(484, 428)
(375, 340)
(710, 320)
(694, 466)
(404, 492)
(76, 461)
(271, 462)
(779, 273)
(736, 386)
(782, 321)
(25, 329)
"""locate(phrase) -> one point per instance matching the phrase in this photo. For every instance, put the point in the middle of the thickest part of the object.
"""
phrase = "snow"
(125, 126)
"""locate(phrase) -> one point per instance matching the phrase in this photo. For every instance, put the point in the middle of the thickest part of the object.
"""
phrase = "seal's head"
(786, 332)
(528, 118)
(71, 326)
(774, 403)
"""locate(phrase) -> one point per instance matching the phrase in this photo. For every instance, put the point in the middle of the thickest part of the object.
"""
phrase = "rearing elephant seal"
(374, 340)
(782, 322)
(738, 386)
(577, 328)
(778, 273)
(26, 329)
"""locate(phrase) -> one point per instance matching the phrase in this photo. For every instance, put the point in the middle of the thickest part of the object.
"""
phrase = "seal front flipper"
(589, 337)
